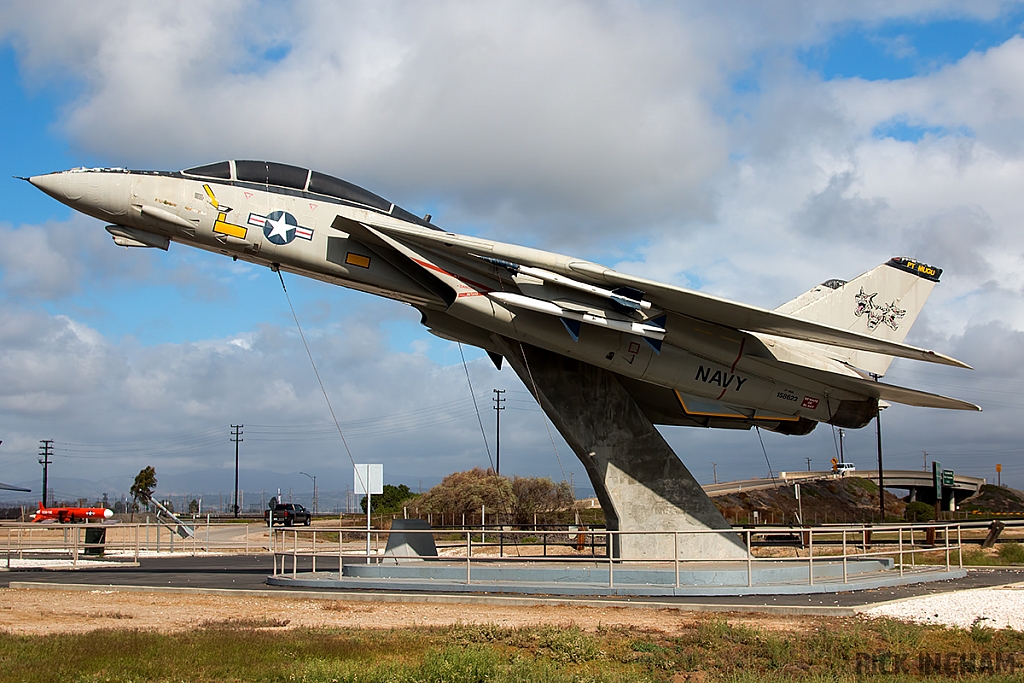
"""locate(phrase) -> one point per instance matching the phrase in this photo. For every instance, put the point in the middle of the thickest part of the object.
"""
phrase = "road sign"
(947, 477)
(369, 477)
(369, 480)
(999, 468)
(937, 479)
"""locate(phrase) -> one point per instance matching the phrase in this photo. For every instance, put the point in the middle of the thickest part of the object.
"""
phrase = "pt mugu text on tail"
(686, 358)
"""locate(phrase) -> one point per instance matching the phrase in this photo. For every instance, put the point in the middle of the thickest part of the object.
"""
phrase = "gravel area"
(993, 607)
(36, 612)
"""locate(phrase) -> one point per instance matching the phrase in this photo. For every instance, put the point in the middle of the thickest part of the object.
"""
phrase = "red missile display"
(70, 515)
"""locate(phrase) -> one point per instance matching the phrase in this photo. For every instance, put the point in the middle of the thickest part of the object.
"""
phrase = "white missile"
(541, 306)
(548, 276)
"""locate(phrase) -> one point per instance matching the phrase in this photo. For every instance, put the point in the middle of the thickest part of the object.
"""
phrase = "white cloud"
(589, 126)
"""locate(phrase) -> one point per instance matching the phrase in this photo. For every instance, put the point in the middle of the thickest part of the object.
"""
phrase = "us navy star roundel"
(280, 227)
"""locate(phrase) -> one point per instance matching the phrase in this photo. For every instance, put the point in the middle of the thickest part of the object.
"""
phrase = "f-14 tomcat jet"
(608, 355)
(687, 358)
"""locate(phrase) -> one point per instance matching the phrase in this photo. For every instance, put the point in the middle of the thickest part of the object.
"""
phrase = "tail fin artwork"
(883, 302)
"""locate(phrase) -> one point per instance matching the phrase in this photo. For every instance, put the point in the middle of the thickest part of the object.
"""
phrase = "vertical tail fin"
(883, 302)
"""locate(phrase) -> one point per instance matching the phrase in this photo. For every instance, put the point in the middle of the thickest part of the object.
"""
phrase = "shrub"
(1012, 552)
(919, 512)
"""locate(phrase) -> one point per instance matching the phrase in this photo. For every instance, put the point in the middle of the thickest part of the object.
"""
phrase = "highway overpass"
(918, 482)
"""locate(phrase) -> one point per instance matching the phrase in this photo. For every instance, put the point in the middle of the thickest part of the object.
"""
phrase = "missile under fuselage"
(299, 227)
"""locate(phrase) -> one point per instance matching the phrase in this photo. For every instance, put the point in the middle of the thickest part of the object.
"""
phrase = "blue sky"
(563, 130)
(901, 49)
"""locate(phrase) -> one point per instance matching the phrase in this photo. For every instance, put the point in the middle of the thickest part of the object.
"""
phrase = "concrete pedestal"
(641, 483)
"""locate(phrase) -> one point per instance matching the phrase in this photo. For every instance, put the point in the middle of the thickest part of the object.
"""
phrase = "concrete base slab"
(632, 579)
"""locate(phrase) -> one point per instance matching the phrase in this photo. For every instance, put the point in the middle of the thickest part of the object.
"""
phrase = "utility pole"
(313, 478)
(924, 458)
(498, 400)
(881, 475)
(808, 464)
(714, 471)
(45, 450)
(236, 437)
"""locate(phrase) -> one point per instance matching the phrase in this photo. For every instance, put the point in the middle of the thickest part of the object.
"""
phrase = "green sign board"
(947, 477)
(937, 479)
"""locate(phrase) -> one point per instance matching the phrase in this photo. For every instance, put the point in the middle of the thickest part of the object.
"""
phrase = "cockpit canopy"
(295, 178)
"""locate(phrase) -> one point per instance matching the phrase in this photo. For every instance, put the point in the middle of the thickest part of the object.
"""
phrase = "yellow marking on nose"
(209, 193)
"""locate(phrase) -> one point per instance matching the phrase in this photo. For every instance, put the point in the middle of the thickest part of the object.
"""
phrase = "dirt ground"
(33, 612)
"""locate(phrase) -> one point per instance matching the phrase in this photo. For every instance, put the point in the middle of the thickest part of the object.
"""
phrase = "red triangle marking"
(312, 207)
(248, 195)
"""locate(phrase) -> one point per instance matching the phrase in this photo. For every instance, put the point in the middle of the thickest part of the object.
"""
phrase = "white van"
(844, 468)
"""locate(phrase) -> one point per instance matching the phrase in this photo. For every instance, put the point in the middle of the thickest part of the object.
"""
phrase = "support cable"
(320, 381)
(543, 415)
(835, 439)
(765, 450)
(536, 391)
(479, 419)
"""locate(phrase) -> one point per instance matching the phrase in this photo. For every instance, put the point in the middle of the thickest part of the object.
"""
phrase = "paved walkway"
(249, 572)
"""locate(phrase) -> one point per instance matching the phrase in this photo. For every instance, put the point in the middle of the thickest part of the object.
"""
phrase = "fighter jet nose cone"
(53, 184)
(102, 193)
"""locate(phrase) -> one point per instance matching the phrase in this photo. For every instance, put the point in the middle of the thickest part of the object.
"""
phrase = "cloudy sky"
(750, 150)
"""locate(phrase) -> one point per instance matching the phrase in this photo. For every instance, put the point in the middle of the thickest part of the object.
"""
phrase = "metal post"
(901, 550)
(368, 497)
(314, 551)
(611, 562)
(750, 562)
(469, 552)
(946, 534)
(676, 555)
(881, 479)
(810, 557)
(295, 552)
(845, 575)
(960, 546)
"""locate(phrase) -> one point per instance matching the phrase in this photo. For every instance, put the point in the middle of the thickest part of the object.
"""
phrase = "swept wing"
(667, 297)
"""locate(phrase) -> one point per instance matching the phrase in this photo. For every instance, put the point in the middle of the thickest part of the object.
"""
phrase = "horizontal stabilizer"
(922, 399)
(882, 391)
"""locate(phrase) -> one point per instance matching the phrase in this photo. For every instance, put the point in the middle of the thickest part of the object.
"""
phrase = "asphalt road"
(250, 572)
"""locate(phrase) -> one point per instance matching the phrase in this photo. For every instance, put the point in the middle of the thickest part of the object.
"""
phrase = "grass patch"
(1011, 552)
(863, 484)
(707, 649)
(1006, 555)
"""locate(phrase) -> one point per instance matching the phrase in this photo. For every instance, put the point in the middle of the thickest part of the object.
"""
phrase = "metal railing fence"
(909, 546)
(123, 542)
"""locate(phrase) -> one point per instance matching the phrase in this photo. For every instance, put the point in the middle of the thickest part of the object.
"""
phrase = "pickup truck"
(288, 514)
